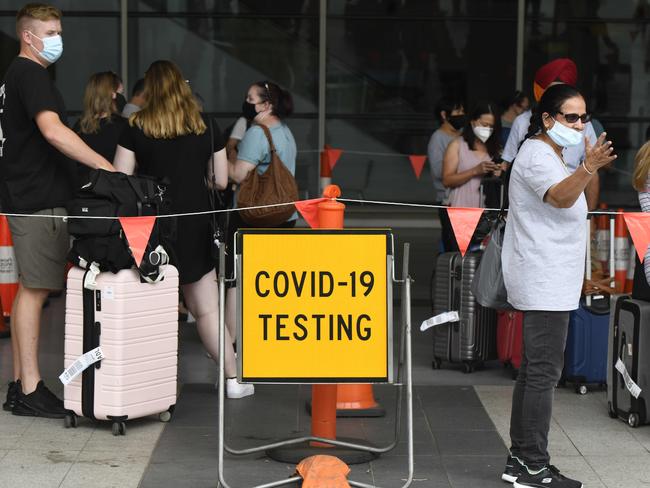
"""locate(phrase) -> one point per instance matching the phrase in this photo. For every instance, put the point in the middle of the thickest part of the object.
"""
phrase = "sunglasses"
(573, 118)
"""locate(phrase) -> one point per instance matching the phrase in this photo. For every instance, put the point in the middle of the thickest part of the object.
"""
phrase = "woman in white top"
(543, 267)
(471, 156)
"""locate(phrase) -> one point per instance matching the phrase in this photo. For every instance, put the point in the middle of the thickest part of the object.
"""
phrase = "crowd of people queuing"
(161, 131)
(547, 154)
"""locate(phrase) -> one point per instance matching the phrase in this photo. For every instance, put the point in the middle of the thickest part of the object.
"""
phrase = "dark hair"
(138, 88)
(515, 99)
(280, 99)
(647, 133)
(493, 144)
(448, 105)
(551, 103)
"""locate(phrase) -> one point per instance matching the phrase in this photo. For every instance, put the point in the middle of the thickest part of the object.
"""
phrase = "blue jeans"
(542, 361)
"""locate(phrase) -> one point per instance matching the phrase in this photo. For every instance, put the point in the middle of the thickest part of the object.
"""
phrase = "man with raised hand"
(37, 179)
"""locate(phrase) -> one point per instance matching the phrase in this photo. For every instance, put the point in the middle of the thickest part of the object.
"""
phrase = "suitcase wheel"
(70, 421)
(167, 415)
(633, 420)
(581, 389)
(611, 412)
(437, 363)
(119, 428)
(468, 368)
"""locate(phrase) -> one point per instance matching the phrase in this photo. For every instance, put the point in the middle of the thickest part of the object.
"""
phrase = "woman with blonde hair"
(170, 138)
(100, 124)
(641, 183)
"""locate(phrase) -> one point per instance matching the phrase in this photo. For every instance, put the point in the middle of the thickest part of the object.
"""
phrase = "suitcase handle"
(621, 355)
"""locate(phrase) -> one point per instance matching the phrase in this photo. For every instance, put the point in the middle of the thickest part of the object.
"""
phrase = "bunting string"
(347, 200)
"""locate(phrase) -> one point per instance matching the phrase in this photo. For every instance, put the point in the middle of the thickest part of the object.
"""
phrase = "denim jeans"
(532, 400)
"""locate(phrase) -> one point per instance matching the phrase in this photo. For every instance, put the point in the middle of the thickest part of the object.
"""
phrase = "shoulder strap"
(267, 133)
(207, 172)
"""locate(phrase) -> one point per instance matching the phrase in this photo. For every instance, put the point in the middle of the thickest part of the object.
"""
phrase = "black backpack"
(99, 244)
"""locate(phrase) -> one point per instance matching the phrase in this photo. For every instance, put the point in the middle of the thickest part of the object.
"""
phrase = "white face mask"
(483, 133)
(564, 136)
(52, 47)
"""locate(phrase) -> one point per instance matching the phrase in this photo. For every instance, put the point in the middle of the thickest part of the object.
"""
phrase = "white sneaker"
(238, 390)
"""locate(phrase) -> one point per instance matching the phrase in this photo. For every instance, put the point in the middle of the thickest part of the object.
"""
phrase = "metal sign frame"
(239, 264)
(404, 381)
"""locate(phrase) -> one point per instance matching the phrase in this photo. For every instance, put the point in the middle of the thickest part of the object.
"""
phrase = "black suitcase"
(472, 340)
(629, 342)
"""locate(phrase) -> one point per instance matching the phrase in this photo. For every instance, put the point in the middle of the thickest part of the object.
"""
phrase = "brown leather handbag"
(277, 185)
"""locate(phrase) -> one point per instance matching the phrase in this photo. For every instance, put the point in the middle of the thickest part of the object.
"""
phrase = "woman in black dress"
(100, 124)
(169, 138)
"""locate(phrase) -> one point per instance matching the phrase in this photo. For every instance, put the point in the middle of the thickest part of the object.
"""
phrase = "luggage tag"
(82, 363)
(633, 388)
(440, 319)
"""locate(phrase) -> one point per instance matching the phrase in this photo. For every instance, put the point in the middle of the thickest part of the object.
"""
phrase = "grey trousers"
(532, 400)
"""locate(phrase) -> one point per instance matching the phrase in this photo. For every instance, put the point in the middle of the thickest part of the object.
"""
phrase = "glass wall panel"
(390, 62)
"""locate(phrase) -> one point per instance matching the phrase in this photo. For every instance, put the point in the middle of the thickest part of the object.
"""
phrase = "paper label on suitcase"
(634, 389)
(83, 362)
(440, 319)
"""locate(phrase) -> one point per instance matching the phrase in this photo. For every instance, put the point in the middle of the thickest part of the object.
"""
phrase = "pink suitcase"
(136, 325)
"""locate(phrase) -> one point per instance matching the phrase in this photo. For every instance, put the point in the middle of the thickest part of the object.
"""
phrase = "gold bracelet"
(585, 168)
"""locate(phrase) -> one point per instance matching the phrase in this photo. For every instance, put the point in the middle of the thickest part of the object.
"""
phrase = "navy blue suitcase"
(585, 356)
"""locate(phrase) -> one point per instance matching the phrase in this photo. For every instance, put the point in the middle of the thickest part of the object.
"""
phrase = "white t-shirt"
(573, 155)
(239, 129)
(543, 254)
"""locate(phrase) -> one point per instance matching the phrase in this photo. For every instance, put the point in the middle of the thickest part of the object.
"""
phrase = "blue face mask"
(52, 48)
(564, 136)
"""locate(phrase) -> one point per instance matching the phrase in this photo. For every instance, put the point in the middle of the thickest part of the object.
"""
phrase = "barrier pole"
(323, 397)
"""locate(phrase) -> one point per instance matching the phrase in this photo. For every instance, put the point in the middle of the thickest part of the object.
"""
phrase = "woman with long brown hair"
(100, 124)
(170, 138)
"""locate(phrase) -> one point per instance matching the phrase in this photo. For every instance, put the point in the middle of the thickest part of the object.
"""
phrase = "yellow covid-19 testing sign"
(315, 306)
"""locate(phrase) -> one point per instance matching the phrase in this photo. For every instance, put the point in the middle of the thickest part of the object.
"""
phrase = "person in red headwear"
(562, 70)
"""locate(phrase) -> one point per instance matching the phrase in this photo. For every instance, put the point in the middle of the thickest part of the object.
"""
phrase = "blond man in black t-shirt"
(36, 178)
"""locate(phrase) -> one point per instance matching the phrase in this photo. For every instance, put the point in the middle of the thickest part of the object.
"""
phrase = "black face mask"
(248, 109)
(120, 101)
(457, 121)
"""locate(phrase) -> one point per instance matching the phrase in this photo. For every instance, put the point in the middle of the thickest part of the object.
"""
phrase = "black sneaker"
(513, 470)
(548, 477)
(12, 395)
(40, 403)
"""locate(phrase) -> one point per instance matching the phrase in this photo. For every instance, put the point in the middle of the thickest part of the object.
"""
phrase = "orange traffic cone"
(8, 270)
(631, 264)
(621, 252)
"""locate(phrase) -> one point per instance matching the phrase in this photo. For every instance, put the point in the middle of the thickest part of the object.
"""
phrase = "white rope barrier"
(348, 200)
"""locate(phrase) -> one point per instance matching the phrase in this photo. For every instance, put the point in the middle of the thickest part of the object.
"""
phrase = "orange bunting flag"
(638, 224)
(309, 210)
(464, 222)
(417, 162)
(333, 156)
(137, 231)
